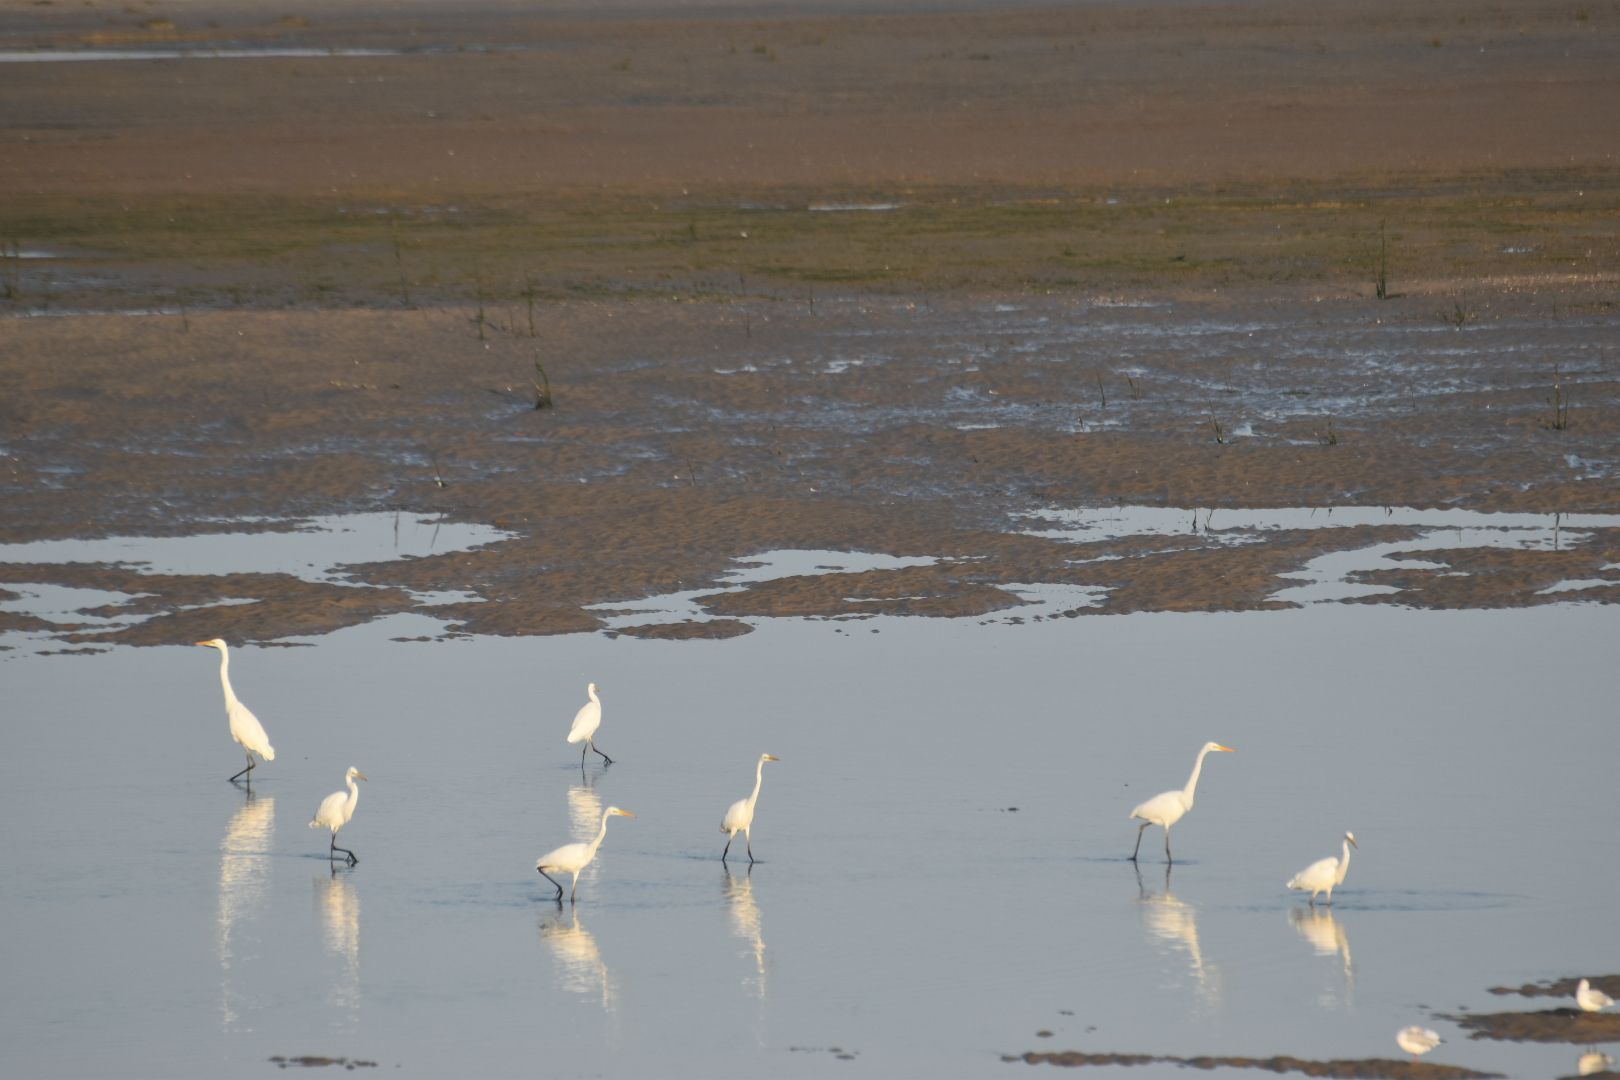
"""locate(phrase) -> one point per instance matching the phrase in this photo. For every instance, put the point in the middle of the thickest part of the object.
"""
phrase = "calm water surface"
(903, 919)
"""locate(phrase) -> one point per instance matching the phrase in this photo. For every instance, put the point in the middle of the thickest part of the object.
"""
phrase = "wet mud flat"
(1370, 1068)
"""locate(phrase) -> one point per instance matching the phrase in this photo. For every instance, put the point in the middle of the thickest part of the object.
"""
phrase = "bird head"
(212, 643)
(769, 757)
(1218, 746)
(1350, 836)
(614, 811)
(355, 773)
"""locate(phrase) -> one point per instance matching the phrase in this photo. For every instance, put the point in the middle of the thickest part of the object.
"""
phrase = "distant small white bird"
(1417, 1041)
(1591, 1000)
(575, 857)
(336, 810)
(245, 727)
(586, 721)
(1323, 874)
(1168, 808)
(740, 816)
(1593, 1062)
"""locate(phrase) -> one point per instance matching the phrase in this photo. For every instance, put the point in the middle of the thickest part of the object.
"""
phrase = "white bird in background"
(245, 727)
(1591, 1000)
(1168, 808)
(586, 721)
(740, 816)
(1417, 1041)
(1323, 874)
(336, 810)
(575, 857)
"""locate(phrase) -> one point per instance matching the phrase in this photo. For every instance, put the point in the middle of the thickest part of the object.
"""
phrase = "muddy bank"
(1370, 1067)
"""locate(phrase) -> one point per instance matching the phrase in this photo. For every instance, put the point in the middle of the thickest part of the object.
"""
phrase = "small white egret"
(245, 727)
(740, 816)
(1591, 1000)
(1323, 874)
(336, 810)
(1417, 1041)
(1168, 808)
(575, 857)
(586, 721)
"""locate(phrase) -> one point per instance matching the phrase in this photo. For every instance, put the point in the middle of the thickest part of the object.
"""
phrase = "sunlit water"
(904, 919)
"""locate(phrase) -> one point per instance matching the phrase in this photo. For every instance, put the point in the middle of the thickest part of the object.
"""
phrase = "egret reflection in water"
(1174, 922)
(244, 884)
(338, 906)
(745, 927)
(579, 968)
(1325, 932)
(1593, 1062)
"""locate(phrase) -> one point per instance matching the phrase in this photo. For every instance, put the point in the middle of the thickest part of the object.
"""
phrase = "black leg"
(723, 854)
(1167, 857)
(573, 888)
(244, 772)
(582, 752)
(592, 744)
(554, 881)
(334, 849)
(1139, 831)
(750, 839)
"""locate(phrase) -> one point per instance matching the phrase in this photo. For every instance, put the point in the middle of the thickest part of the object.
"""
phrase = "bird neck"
(354, 793)
(225, 674)
(1344, 865)
(759, 778)
(1188, 792)
(601, 834)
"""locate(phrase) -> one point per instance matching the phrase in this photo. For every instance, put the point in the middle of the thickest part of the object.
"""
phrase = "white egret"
(336, 810)
(1417, 1041)
(1323, 874)
(245, 727)
(586, 721)
(575, 857)
(1168, 808)
(1591, 1000)
(740, 816)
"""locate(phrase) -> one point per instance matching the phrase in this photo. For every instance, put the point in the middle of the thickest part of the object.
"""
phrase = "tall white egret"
(740, 816)
(1417, 1041)
(245, 727)
(1168, 808)
(336, 810)
(586, 721)
(1323, 874)
(575, 857)
(1591, 1000)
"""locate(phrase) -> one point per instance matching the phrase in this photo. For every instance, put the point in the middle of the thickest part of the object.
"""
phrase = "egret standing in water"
(575, 857)
(245, 727)
(1171, 806)
(1323, 874)
(740, 816)
(336, 810)
(586, 721)
(1417, 1041)
(1591, 1000)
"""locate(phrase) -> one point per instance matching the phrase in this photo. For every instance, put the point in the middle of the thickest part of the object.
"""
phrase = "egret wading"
(586, 721)
(1417, 1041)
(740, 816)
(1168, 808)
(575, 857)
(245, 727)
(336, 810)
(1323, 874)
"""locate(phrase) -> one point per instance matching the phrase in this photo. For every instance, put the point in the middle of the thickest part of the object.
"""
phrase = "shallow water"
(903, 919)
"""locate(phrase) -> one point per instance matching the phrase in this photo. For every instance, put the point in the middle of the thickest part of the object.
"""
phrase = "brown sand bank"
(284, 286)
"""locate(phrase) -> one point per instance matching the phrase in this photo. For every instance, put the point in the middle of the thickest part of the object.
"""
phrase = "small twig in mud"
(812, 299)
(1382, 284)
(542, 386)
(529, 295)
(1101, 392)
(479, 319)
(13, 281)
(1559, 402)
(438, 476)
(399, 262)
(1327, 436)
(748, 325)
(1220, 432)
(1136, 391)
(1457, 315)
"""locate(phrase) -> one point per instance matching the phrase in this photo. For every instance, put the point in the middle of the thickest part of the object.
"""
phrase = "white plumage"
(1591, 1000)
(575, 857)
(740, 815)
(1169, 807)
(1417, 1041)
(1323, 874)
(586, 721)
(336, 810)
(245, 727)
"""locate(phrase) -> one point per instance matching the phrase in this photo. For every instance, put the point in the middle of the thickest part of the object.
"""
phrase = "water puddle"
(79, 56)
(315, 550)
